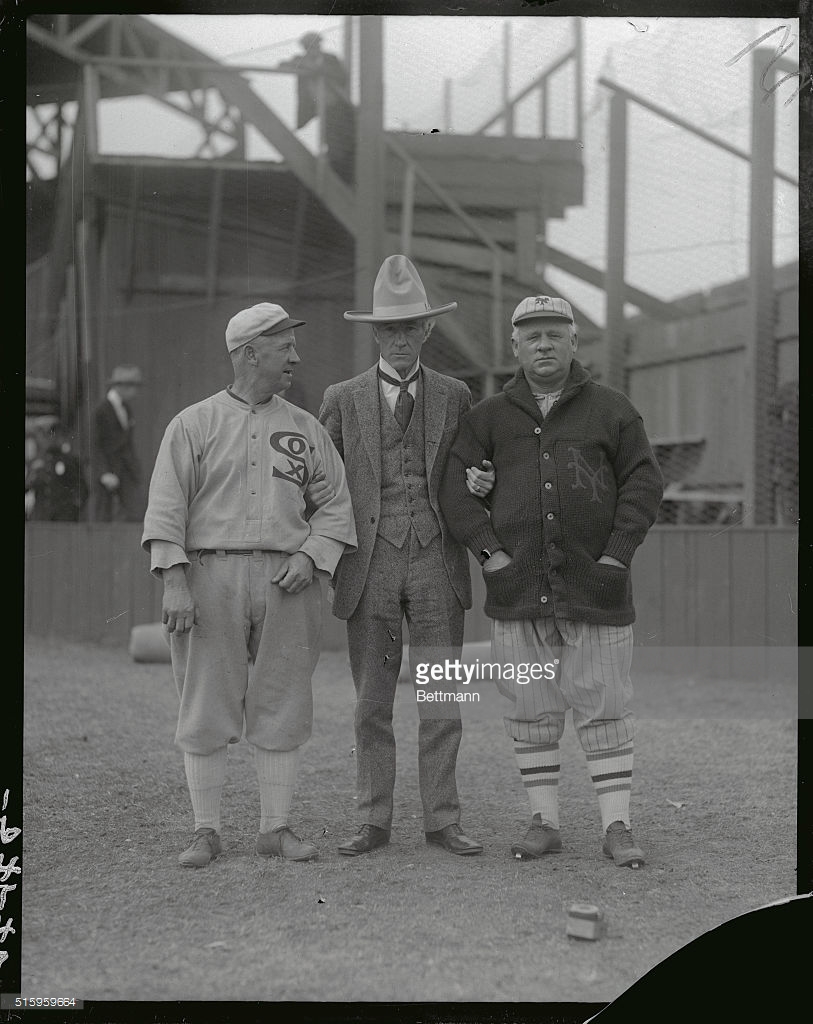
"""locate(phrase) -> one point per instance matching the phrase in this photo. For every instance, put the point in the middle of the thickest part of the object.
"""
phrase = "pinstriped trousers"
(592, 677)
(409, 582)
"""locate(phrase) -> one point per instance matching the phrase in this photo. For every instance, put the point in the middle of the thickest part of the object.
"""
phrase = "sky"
(688, 201)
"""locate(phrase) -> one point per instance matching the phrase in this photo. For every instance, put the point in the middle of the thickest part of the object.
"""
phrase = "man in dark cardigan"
(577, 490)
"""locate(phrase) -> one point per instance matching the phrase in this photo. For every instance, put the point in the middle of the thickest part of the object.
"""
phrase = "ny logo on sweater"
(293, 446)
(585, 474)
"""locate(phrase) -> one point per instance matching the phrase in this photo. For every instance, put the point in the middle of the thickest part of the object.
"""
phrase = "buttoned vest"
(404, 488)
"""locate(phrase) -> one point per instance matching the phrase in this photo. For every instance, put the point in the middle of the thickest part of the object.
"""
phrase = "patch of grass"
(109, 915)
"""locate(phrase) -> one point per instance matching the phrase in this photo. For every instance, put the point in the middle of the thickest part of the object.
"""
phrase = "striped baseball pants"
(591, 668)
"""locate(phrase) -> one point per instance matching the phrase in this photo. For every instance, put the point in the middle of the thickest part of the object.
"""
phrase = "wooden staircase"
(470, 210)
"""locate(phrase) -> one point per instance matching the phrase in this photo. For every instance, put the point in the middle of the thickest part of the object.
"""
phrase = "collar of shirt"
(545, 401)
(114, 398)
(237, 398)
(390, 391)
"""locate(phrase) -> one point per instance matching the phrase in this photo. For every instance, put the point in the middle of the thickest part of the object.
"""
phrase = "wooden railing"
(541, 85)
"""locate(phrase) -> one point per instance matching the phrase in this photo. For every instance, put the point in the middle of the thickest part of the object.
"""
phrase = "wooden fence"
(713, 599)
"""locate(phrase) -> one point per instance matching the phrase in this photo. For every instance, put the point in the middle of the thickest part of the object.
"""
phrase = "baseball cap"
(535, 306)
(264, 318)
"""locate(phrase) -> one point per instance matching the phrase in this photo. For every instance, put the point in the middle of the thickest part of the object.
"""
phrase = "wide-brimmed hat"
(265, 318)
(398, 294)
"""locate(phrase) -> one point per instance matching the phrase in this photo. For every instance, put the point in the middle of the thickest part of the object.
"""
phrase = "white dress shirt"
(390, 391)
(114, 398)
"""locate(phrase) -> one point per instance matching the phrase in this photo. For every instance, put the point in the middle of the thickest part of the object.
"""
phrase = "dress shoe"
(541, 838)
(453, 839)
(281, 842)
(369, 837)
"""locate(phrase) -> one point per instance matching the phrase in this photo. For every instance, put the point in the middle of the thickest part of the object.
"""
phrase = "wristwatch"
(484, 556)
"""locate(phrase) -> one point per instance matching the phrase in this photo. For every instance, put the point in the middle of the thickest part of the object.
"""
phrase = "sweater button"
(545, 455)
(544, 600)
(537, 430)
(548, 485)
(549, 515)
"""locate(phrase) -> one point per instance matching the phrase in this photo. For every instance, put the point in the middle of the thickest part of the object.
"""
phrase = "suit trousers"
(403, 583)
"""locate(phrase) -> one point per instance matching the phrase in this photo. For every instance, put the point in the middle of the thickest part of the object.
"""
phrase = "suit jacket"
(350, 414)
(113, 452)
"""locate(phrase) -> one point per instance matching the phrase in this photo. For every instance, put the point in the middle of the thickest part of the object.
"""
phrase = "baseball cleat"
(541, 838)
(203, 848)
(619, 844)
(281, 842)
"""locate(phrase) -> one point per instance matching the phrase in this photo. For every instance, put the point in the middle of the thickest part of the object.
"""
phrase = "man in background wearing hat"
(317, 70)
(577, 490)
(227, 531)
(115, 470)
(393, 426)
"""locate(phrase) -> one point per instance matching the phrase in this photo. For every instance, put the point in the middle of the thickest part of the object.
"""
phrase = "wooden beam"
(300, 218)
(578, 73)
(347, 50)
(529, 88)
(87, 28)
(760, 359)
(507, 106)
(198, 163)
(369, 180)
(334, 193)
(471, 256)
(443, 224)
(131, 233)
(200, 284)
(213, 240)
(614, 348)
(681, 122)
(338, 198)
(527, 228)
(647, 303)
(90, 81)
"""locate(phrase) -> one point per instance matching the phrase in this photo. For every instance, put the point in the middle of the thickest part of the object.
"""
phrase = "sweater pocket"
(602, 587)
(503, 585)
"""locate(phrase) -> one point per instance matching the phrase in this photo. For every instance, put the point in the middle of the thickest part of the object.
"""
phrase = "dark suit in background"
(113, 453)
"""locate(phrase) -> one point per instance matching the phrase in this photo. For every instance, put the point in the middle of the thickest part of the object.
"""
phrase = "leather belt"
(222, 552)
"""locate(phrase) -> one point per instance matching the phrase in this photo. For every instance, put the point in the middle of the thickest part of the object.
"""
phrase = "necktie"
(404, 403)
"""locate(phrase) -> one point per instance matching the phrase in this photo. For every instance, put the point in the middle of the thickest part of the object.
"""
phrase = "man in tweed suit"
(577, 489)
(393, 425)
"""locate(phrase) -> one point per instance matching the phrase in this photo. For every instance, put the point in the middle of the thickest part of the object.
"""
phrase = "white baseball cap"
(264, 318)
(535, 306)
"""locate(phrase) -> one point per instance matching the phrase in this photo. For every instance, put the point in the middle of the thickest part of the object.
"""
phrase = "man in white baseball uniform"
(228, 531)
(577, 490)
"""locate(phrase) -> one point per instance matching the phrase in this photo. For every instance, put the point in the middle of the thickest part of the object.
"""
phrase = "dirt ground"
(109, 915)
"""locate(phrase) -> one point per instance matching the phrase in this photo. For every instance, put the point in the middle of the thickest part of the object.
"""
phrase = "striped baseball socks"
(276, 774)
(205, 774)
(539, 767)
(611, 774)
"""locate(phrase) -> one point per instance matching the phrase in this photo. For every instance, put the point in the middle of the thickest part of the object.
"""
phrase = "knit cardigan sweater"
(580, 483)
